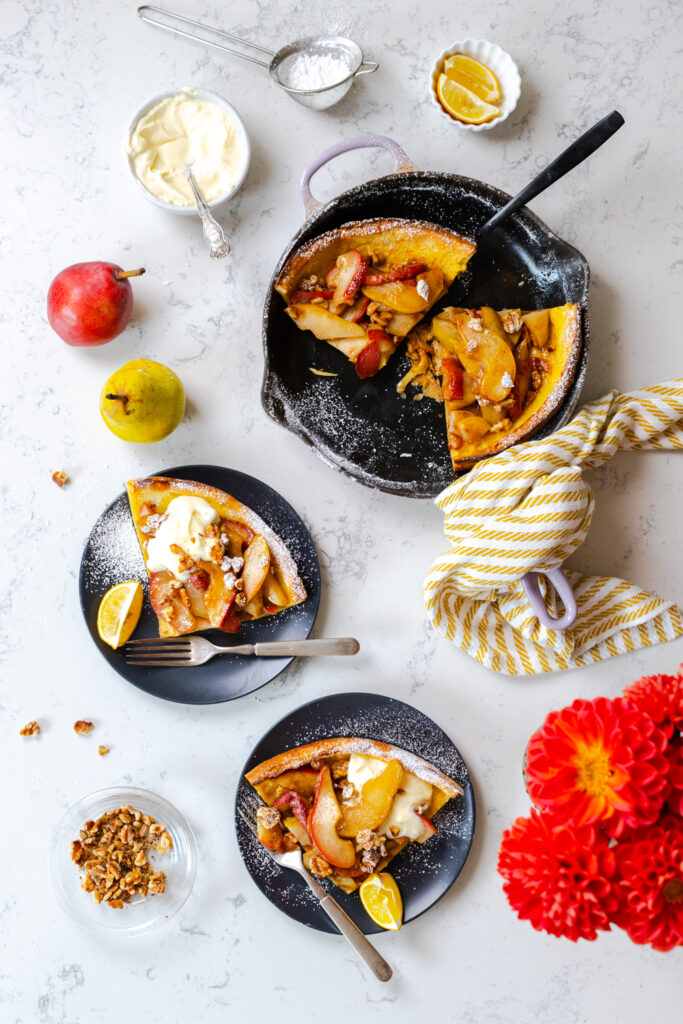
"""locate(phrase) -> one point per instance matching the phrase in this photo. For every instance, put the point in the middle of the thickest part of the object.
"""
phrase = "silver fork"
(188, 651)
(248, 802)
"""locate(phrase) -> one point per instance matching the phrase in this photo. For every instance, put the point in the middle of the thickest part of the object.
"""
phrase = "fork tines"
(248, 803)
(160, 651)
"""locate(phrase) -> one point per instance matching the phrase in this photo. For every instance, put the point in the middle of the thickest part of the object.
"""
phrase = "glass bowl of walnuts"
(122, 860)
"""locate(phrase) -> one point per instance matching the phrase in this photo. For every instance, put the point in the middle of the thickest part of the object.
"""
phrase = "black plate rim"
(181, 472)
(559, 418)
(469, 794)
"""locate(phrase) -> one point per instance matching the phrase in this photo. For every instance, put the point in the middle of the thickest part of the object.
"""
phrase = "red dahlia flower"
(559, 878)
(650, 885)
(674, 797)
(662, 698)
(599, 761)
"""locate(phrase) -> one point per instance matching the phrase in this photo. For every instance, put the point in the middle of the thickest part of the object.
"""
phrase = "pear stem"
(117, 398)
(120, 274)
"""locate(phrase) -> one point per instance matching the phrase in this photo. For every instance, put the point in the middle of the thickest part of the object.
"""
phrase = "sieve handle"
(401, 163)
(535, 598)
(174, 21)
(366, 68)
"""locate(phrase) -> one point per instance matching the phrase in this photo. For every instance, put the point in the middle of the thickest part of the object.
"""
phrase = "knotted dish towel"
(529, 509)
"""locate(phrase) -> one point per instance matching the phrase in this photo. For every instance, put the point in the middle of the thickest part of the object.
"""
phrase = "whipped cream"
(413, 795)
(181, 129)
(185, 528)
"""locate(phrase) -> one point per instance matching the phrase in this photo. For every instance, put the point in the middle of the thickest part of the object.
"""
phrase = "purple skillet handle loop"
(563, 588)
(401, 162)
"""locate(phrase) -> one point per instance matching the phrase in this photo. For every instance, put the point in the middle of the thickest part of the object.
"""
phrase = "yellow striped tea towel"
(529, 509)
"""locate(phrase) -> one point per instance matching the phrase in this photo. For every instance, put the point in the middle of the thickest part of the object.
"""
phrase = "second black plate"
(112, 554)
(423, 873)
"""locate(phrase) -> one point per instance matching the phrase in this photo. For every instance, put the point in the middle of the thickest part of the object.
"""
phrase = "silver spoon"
(213, 232)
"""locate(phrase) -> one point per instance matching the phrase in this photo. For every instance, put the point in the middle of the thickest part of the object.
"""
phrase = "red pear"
(90, 303)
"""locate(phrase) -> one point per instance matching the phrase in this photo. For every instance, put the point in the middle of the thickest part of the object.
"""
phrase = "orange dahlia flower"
(559, 878)
(599, 761)
(649, 875)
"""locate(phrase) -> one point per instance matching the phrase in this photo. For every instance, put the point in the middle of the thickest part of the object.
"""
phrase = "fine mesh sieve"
(288, 67)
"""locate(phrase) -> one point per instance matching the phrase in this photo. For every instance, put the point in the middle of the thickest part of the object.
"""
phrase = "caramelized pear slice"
(256, 566)
(322, 824)
(374, 805)
(322, 323)
(538, 323)
(404, 297)
(466, 426)
(484, 355)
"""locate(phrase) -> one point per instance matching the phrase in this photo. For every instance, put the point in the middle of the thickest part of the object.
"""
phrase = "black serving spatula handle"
(565, 162)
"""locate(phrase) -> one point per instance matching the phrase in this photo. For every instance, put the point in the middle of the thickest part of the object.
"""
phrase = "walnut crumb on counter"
(31, 729)
(60, 478)
(102, 750)
(82, 728)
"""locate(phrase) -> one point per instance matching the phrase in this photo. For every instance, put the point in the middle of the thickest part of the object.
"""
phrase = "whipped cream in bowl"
(188, 126)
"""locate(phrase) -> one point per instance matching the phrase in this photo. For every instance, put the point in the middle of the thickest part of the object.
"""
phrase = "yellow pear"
(143, 401)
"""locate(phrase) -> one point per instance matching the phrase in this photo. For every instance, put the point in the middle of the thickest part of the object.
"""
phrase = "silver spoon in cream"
(213, 232)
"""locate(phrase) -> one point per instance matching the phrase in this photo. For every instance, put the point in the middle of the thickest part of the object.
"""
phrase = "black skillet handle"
(566, 161)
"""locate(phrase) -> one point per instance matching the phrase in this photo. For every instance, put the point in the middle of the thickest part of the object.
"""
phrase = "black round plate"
(112, 554)
(423, 873)
(363, 427)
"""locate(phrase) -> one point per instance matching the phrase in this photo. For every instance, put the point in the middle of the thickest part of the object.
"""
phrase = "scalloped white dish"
(499, 62)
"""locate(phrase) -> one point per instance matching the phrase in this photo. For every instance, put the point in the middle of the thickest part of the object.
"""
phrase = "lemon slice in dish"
(382, 901)
(462, 104)
(119, 613)
(473, 75)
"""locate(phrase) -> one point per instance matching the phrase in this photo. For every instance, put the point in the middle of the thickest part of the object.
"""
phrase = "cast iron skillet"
(362, 427)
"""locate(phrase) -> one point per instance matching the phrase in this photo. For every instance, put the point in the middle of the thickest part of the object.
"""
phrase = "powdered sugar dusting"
(113, 553)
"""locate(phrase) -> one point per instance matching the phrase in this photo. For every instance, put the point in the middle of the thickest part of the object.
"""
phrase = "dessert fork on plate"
(188, 651)
(248, 802)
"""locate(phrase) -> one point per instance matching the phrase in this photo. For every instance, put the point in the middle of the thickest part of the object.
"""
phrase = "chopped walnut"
(340, 770)
(370, 859)
(320, 867)
(153, 523)
(102, 750)
(511, 320)
(31, 729)
(309, 284)
(365, 840)
(268, 816)
(60, 478)
(112, 854)
(82, 728)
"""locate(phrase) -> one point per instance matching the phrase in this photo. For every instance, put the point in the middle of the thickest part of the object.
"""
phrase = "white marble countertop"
(72, 75)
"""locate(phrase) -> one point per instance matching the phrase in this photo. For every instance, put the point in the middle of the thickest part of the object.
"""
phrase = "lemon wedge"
(473, 75)
(462, 104)
(119, 613)
(382, 901)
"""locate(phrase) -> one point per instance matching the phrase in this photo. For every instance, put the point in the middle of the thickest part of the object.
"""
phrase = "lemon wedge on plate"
(382, 901)
(463, 104)
(473, 75)
(119, 613)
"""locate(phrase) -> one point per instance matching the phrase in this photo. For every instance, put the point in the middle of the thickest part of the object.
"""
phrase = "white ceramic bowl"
(141, 914)
(212, 97)
(503, 67)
